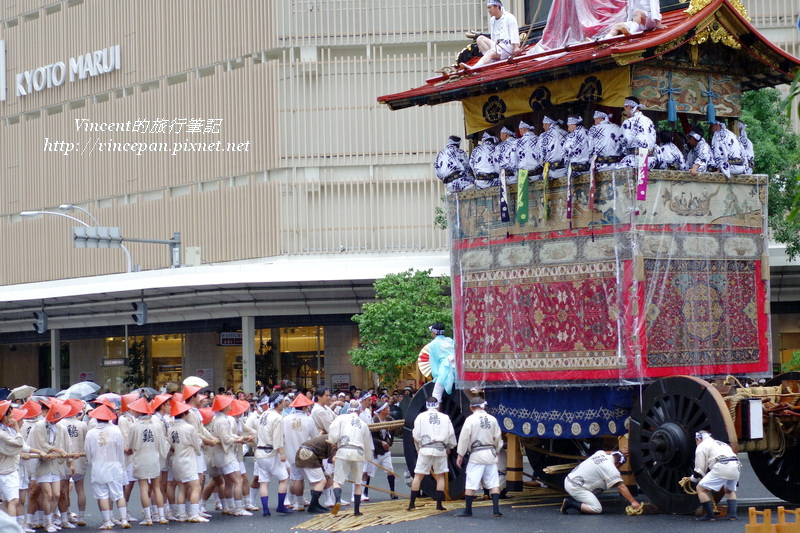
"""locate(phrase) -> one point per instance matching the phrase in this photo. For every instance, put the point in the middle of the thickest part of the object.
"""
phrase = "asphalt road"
(542, 515)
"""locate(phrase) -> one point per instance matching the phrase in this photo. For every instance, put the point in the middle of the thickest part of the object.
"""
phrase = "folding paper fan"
(424, 362)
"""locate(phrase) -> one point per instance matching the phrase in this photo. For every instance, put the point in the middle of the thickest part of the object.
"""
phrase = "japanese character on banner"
(504, 216)
(642, 172)
(195, 125)
(212, 125)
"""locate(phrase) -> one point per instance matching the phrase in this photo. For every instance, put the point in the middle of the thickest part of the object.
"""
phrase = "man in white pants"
(598, 472)
(481, 438)
(504, 30)
(434, 437)
(715, 467)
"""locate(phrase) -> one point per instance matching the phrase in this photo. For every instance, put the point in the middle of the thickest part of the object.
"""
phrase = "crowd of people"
(186, 448)
(555, 151)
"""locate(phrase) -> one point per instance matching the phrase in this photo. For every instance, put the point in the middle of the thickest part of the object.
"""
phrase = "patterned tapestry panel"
(633, 290)
(690, 90)
(706, 315)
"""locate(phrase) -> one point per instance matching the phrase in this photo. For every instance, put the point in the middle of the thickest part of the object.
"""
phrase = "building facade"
(252, 130)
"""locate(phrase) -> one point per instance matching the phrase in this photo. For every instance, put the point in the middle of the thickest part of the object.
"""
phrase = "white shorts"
(213, 471)
(77, 477)
(9, 486)
(583, 495)
(348, 469)
(201, 463)
(269, 467)
(312, 475)
(80, 465)
(722, 475)
(427, 462)
(230, 468)
(129, 474)
(170, 475)
(48, 478)
(23, 478)
(295, 473)
(327, 467)
(384, 460)
(107, 491)
(192, 477)
(242, 468)
(477, 474)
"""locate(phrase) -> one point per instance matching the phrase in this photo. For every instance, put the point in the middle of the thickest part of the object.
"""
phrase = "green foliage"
(394, 328)
(439, 215)
(777, 154)
(134, 374)
(792, 364)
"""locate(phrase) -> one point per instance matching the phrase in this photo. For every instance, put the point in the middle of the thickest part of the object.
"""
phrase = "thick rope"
(630, 511)
(686, 485)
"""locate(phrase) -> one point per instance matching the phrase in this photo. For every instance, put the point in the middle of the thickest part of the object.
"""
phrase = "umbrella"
(152, 393)
(23, 391)
(47, 391)
(111, 397)
(195, 381)
(79, 390)
(89, 397)
(4, 392)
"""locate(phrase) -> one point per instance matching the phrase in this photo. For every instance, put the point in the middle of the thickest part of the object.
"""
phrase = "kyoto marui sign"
(55, 74)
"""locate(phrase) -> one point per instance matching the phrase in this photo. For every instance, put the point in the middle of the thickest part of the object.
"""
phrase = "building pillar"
(513, 464)
(249, 354)
(55, 359)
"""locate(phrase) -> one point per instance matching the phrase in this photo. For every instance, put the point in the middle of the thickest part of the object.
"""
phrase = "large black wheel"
(455, 406)
(662, 440)
(780, 475)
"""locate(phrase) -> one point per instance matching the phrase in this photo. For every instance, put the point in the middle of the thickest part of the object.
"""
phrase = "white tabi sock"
(147, 516)
(194, 510)
(106, 516)
(123, 513)
(181, 509)
(238, 504)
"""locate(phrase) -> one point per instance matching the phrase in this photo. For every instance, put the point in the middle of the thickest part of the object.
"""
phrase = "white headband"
(432, 405)
(622, 458)
(507, 131)
(382, 407)
(631, 103)
(695, 136)
(574, 120)
(548, 120)
(278, 400)
(600, 114)
(525, 126)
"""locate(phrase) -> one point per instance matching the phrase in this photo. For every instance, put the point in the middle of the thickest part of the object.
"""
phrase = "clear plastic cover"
(575, 21)
(624, 292)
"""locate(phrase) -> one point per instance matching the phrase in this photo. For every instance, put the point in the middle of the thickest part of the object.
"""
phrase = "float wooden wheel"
(662, 433)
(781, 474)
(456, 406)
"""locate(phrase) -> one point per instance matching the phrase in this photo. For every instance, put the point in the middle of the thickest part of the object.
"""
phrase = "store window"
(303, 355)
(167, 359)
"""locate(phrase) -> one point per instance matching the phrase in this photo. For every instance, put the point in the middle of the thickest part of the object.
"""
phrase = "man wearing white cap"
(452, 167)
(551, 148)
(699, 157)
(484, 163)
(506, 153)
(433, 436)
(716, 467)
(504, 30)
(598, 472)
(729, 157)
(606, 141)
(528, 152)
(480, 438)
(577, 150)
(353, 445)
(270, 455)
(638, 132)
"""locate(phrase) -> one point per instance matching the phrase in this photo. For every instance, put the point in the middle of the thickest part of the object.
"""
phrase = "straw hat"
(207, 413)
(141, 406)
(5, 405)
(103, 413)
(75, 406)
(221, 402)
(177, 408)
(128, 399)
(57, 412)
(189, 391)
(238, 407)
(159, 400)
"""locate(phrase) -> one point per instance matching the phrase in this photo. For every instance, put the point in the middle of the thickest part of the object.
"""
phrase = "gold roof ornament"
(716, 33)
(696, 5)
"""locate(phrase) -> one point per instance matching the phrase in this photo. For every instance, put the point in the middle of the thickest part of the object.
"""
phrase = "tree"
(793, 364)
(777, 154)
(394, 328)
(794, 95)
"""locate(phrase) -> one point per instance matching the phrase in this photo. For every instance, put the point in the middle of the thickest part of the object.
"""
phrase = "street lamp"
(79, 221)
